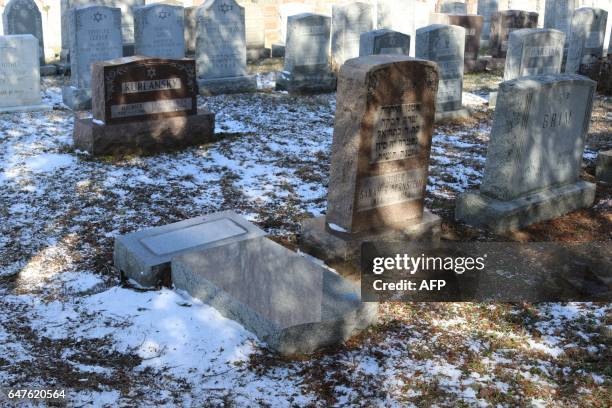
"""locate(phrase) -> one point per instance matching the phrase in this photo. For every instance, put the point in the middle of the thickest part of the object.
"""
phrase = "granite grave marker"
(534, 51)
(307, 65)
(445, 45)
(23, 17)
(503, 23)
(384, 41)
(349, 21)
(586, 40)
(142, 104)
(453, 7)
(19, 74)
(255, 32)
(473, 27)
(486, 8)
(534, 154)
(380, 156)
(95, 35)
(159, 31)
(221, 49)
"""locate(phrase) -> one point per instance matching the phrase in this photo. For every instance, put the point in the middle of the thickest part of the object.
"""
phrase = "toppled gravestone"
(293, 304)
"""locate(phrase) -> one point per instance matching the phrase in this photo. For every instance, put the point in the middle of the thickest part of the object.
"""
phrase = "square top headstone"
(382, 140)
(159, 31)
(503, 23)
(534, 51)
(141, 88)
(538, 134)
(19, 71)
(349, 21)
(221, 39)
(308, 39)
(384, 41)
(586, 39)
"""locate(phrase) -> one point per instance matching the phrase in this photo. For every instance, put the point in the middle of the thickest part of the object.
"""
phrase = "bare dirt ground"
(66, 321)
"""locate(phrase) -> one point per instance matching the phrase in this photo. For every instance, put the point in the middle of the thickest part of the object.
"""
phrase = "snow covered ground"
(65, 321)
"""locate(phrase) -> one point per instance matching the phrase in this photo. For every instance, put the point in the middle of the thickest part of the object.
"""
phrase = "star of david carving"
(151, 72)
(163, 14)
(225, 8)
(98, 17)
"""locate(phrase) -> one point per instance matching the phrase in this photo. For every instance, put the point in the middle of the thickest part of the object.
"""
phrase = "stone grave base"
(25, 108)
(76, 98)
(98, 138)
(500, 216)
(478, 65)
(337, 246)
(278, 50)
(229, 85)
(144, 256)
(256, 54)
(306, 84)
(462, 113)
(290, 302)
(47, 70)
(603, 171)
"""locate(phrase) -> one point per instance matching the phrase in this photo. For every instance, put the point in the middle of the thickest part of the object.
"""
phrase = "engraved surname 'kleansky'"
(152, 85)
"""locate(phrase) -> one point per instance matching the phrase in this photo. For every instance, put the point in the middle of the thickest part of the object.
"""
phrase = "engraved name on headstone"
(349, 21)
(534, 51)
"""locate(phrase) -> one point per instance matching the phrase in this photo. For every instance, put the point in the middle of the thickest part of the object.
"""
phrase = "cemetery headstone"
(159, 31)
(384, 41)
(503, 23)
(486, 8)
(255, 32)
(453, 7)
(586, 40)
(473, 27)
(405, 16)
(285, 11)
(190, 29)
(307, 66)
(534, 154)
(23, 17)
(19, 74)
(221, 49)
(380, 156)
(445, 45)
(143, 104)
(603, 169)
(299, 310)
(558, 15)
(95, 35)
(534, 51)
(126, 24)
(349, 21)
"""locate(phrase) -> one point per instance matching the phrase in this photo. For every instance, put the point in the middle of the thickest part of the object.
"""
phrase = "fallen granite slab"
(293, 304)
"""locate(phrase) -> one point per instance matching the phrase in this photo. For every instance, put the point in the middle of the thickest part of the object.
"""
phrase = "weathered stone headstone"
(159, 31)
(19, 74)
(307, 66)
(473, 27)
(534, 51)
(95, 35)
(190, 29)
(486, 8)
(405, 16)
(586, 40)
(349, 21)
(142, 104)
(445, 45)
(503, 23)
(559, 13)
(127, 20)
(255, 32)
(285, 11)
(23, 17)
(384, 41)
(534, 155)
(380, 156)
(603, 169)
(453, 7)
(221, 49)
